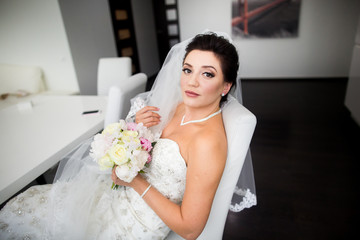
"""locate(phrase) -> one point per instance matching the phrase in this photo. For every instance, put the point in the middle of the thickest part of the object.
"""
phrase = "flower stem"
(114, 186)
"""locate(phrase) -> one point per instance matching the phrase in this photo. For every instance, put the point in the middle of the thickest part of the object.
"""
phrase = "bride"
(177, 190)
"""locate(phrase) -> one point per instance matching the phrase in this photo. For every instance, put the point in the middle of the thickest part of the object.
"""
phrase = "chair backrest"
(120, 95)
(112, 71)
(239, 125)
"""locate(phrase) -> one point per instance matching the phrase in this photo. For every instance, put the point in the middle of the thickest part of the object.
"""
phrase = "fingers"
(147, 116)
(113, 175)
(148, 108)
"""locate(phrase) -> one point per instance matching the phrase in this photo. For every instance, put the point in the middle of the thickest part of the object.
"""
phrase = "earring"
(223, 94)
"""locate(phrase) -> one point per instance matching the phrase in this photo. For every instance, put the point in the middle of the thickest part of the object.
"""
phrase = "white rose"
(118, 154)
(111, 129)
(140, 159)
(126, 172)
(146, 133)
(100, 146)
(105, 162)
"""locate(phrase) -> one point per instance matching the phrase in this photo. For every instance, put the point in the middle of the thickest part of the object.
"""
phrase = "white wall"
(90, 35)
(145, 32)
(322, 49)
(32, 33)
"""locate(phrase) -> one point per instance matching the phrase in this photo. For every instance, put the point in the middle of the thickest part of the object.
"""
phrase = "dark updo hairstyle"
(223, 50)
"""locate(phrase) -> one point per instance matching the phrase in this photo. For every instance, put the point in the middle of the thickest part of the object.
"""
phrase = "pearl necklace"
(200, 120)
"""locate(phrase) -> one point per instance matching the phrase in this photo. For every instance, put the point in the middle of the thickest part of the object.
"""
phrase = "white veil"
(166, 95)
(77, 171)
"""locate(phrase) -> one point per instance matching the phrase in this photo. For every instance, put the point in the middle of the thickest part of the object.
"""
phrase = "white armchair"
(239, 125)
(116, 81)
(112, 71)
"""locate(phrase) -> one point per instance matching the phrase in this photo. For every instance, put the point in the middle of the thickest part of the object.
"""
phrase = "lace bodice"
(167, 172)
(87, 208)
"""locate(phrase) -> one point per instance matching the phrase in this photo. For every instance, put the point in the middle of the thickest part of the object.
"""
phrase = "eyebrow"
(204, 66)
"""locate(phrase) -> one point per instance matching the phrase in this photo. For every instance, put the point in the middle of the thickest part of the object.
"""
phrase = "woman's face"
(202, 79)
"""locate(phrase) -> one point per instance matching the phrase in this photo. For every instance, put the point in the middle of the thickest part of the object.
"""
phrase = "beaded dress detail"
(105, 213)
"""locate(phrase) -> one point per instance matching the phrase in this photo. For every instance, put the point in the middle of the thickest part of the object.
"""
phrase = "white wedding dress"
(86, 208)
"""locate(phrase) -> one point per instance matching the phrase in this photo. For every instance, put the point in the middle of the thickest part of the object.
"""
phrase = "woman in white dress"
(178, 188)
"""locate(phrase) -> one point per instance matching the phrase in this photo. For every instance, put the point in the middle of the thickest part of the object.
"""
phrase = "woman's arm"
(206, 162)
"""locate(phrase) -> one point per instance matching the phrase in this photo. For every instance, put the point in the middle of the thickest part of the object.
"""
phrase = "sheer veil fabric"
(81, 204)
(166, 94)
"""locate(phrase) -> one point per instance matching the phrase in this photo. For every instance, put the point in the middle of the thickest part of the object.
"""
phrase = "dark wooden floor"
(305, 153)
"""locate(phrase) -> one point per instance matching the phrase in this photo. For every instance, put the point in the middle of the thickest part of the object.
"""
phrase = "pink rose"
(146, 144)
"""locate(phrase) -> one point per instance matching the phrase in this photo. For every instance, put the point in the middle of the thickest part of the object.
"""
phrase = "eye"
(208, 74)
(186, 70)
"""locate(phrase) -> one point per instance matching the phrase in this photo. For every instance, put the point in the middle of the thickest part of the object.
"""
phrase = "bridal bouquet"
(124, 145)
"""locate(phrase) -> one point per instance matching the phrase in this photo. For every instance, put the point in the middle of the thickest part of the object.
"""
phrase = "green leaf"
(114, 186)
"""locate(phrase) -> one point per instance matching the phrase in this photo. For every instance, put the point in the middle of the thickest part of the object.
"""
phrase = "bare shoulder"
(209, 145)
(211, 137)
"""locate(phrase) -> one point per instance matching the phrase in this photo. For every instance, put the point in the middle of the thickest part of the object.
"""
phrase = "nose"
(193, 81)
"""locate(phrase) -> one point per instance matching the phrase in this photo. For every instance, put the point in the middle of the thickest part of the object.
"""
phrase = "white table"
(33, 139)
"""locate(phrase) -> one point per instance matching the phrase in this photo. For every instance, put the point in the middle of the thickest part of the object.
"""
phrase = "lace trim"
(138, 104)
(249, 200)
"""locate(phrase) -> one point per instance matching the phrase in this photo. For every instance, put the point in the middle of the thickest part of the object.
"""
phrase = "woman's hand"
(147, 116)
(139, 184)
(117, 180)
